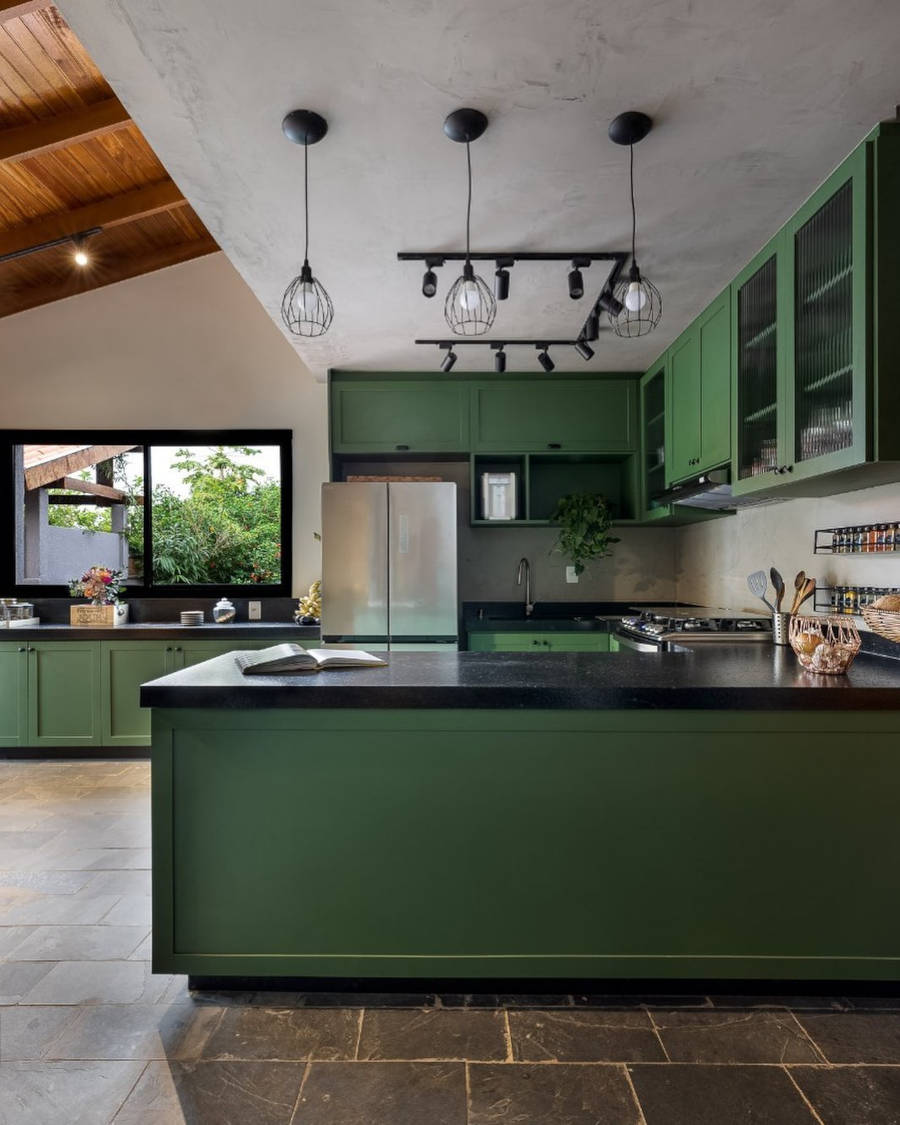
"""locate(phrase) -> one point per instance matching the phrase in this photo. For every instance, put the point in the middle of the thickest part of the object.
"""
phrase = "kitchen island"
(710, 814)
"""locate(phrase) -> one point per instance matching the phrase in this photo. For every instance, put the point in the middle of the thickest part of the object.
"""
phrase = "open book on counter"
(288, 658)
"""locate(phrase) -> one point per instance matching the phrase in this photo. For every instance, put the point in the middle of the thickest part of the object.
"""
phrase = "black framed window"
(177, 512)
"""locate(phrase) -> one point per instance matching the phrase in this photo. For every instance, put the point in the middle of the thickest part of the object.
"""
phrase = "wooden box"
(98, 616)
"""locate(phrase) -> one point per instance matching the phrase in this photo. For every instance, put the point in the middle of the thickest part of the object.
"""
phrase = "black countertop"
(168, 631)
(715, 677)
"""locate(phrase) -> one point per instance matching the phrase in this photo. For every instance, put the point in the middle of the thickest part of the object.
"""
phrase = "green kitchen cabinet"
(124, 666)
(538, 642)
(63, 694)
(653, 441)
(576, 415)
(13, 694)
(698, 399)
(387, 416)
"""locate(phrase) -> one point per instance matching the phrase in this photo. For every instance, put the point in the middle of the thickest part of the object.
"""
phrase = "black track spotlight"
(429, 283)
(448, 361)
(545, 361)
(591, 329)
(576, 284)
(500, 360)
(501, 283)
(584, 350)
(610, 304)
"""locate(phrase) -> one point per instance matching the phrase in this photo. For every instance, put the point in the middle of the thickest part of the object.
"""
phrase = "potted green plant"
(584, 528)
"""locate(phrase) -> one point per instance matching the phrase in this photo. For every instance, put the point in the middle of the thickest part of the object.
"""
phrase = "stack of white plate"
(192, 617)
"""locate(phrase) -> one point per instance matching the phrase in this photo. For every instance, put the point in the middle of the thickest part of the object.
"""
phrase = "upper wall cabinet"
(816, 337)
(373, 415)
(571, 415)
(698, 397)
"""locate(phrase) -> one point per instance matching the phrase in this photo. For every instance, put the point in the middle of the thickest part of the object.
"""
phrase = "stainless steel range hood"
(711, 491)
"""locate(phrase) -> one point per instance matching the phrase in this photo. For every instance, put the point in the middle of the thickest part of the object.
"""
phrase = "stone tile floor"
(88, 1035)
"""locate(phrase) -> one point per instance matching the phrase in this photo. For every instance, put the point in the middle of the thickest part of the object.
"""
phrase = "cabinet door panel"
(13, 698)
(381, 417)
(124, 667)
(715, 374)
(64, 694)
(595, 416)
(684, 407)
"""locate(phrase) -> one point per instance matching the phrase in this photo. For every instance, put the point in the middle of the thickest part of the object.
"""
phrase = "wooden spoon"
(809, 588)
(798, 586)
(778, 583)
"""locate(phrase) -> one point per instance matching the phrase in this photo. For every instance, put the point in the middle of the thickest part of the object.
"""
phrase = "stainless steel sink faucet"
(524, 569)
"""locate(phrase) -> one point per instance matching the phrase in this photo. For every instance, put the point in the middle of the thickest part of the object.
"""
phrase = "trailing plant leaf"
(584, 521)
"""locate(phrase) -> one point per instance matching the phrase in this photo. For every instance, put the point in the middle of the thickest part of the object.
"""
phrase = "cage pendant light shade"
(470, 307)
(641, 306)
(306, 308)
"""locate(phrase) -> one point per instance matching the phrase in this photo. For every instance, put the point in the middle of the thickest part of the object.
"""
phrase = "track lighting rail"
(506, 258)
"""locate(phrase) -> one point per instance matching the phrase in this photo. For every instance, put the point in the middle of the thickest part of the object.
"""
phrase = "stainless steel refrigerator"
(389, 565)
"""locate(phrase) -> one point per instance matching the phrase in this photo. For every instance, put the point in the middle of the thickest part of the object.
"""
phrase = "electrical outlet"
(254, 611)
(571, 576)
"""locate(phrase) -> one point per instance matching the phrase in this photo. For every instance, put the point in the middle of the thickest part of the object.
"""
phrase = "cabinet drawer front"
(596, 416)
(385, 417)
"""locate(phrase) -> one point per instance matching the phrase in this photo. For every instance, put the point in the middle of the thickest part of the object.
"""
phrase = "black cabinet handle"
(178, 648)
(168, 648)
(401, 448)
(22, 650)
(789, 468)
(554, 445)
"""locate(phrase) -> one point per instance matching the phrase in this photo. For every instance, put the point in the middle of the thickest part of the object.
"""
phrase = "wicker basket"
(827, 645)
(884, 622)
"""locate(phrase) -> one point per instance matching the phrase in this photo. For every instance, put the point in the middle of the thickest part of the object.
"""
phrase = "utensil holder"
(781, 625)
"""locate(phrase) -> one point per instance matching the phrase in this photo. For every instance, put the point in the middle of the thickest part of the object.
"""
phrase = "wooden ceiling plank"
(15, 9)
(47, 90)
(56, 132)
(106, 213)
(132, 267)
(65, 49)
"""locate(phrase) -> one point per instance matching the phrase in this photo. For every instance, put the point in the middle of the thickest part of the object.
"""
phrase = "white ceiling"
(755, 101)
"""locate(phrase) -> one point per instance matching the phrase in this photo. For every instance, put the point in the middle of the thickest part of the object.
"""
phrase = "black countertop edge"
(745, 677)
(168, 631)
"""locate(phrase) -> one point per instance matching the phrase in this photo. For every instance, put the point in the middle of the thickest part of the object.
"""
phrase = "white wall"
(713, 559)
(189, 346)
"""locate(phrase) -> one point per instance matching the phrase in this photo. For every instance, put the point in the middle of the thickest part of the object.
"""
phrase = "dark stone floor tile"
(51, 1093)
(852, 1095)
(584, 1035)
(639, 1000)
(759, 1036)
(218, 1093)
(434, 1033)
(136, 1031)
(520, 1094)
(718, 1095)
(855, 1037)
(26, 1033)
(873, 1003)
(799, 1003)
(524, 1000)
(383, 1093)
(286, 1034)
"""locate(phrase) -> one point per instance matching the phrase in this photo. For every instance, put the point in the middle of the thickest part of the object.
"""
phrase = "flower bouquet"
(102, 587)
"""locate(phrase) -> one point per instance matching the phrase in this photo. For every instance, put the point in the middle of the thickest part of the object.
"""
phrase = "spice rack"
(859, 539)
(848, 600)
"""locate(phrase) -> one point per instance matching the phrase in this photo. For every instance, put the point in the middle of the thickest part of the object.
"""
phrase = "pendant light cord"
(306, 198)
(633, 213)
(469, 203)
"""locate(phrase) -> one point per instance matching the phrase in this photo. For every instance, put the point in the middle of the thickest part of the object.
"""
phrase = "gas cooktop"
(699, 622)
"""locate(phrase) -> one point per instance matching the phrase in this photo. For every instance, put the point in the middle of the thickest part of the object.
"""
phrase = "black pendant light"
(470, 306)
(306, 308)
(640, 300)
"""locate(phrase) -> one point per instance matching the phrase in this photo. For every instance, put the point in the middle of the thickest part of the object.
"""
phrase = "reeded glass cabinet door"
(757, 371)
(828, 252)
(653, 406)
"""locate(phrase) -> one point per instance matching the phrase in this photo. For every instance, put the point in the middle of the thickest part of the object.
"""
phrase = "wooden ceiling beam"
(76, 484)
(65, 129)
(23, 299)
(14, 9)
(122, 208)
